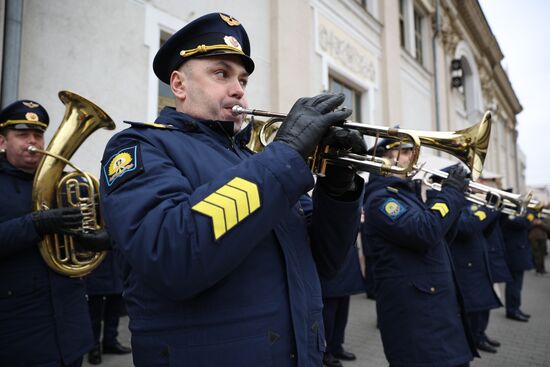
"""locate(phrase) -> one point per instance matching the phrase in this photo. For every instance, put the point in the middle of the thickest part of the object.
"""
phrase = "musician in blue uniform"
(43, 315)
(336, 302)
(497, 261)
(420, 317)
(221, 259)
(104, 290)
(515, 230)
(470, 256)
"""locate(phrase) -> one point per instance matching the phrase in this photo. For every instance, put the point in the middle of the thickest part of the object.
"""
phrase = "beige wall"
(103, 50)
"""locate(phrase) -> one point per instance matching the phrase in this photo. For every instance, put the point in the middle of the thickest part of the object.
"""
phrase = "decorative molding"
(345, 51)
(488, 85)
(449, 35)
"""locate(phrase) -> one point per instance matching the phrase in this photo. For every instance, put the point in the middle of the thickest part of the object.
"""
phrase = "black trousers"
(106, 310)
(335, 318)
(513, 293)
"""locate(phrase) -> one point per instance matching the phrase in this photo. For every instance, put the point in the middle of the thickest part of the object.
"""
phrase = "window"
(165, 96)
(418, 37)
(402, 22)
(353, 96)
(411, 29)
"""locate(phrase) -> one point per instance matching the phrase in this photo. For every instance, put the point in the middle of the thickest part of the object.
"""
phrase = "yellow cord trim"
(28, 122)
(204, 49)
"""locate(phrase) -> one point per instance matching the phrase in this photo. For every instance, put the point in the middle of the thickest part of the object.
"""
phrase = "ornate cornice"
(479, 29)
(480, 32)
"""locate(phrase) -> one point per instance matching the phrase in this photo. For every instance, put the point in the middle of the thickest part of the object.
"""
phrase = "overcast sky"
(522, 29)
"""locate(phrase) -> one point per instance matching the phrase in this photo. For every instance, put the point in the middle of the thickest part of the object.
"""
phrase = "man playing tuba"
(43, 315)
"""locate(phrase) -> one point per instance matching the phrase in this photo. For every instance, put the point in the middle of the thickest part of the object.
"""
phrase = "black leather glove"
(457, 178)
(341, 178)
(59, 221)
(309, 120)
(93, 241)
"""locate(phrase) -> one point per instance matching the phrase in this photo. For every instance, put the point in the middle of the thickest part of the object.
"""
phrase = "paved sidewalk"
(523, 344)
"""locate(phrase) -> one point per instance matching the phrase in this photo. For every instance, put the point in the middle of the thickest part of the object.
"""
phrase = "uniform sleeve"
(407, 224)
(17, 234)
(474, 221)
(516, 223)
(334, 227)
(183, 239)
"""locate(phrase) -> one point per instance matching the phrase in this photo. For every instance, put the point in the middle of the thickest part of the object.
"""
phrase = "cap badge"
(232, 41)
(232, 22)
(31, 104)
(31, 116)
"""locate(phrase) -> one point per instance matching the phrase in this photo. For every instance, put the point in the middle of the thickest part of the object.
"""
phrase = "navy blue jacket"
(219, 267)
(497, 254)
(107, 277)
(515, 231)
(469, 251)
(44, 318)
(420, 317)
(347, 281)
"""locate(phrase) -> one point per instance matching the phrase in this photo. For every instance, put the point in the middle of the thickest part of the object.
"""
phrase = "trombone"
(469, 145)
(487, 196)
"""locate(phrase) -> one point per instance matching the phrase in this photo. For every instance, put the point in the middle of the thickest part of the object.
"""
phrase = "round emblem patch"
(31, 116)
(119, 163)
(392, 208)
(232, 41)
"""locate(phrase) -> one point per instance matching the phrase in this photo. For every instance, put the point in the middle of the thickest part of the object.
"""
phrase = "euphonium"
(52, 188)
(469, 145)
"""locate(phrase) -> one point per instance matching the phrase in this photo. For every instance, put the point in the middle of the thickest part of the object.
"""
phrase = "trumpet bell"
(468, 145)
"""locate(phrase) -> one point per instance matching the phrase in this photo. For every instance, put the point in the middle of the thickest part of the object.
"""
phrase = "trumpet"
(487, 196)
(468, 145)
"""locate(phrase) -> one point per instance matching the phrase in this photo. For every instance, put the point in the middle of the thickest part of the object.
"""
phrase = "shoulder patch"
(230, 205)
(441, 207)
(122, 166)
(393, 208)
(530, 217)
(481, 215)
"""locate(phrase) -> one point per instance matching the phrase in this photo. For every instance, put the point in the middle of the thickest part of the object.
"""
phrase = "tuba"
(52, 188)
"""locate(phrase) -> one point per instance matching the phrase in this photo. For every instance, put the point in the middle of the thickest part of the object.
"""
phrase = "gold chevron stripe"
(481, 215)
(442, 208)
(251, 190)
(230, 204)
(216, 213)
(240, 199)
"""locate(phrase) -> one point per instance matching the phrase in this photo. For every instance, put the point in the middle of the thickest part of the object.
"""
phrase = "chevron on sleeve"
(442, 208)
(230, 205)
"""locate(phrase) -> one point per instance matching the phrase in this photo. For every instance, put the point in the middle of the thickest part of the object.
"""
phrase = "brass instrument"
(52, 188)
(469, 145)
(538, 206)
(487, 196)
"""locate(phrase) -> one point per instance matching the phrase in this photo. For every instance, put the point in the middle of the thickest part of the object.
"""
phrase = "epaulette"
(151, 125)
(392, 189)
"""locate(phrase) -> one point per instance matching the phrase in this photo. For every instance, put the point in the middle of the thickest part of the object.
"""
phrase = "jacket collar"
(182, 121)
(8, 169)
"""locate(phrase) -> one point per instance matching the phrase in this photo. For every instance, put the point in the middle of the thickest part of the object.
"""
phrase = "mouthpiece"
(238, 110)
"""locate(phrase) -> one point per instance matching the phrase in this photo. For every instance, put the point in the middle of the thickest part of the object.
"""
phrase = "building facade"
(422, 64)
